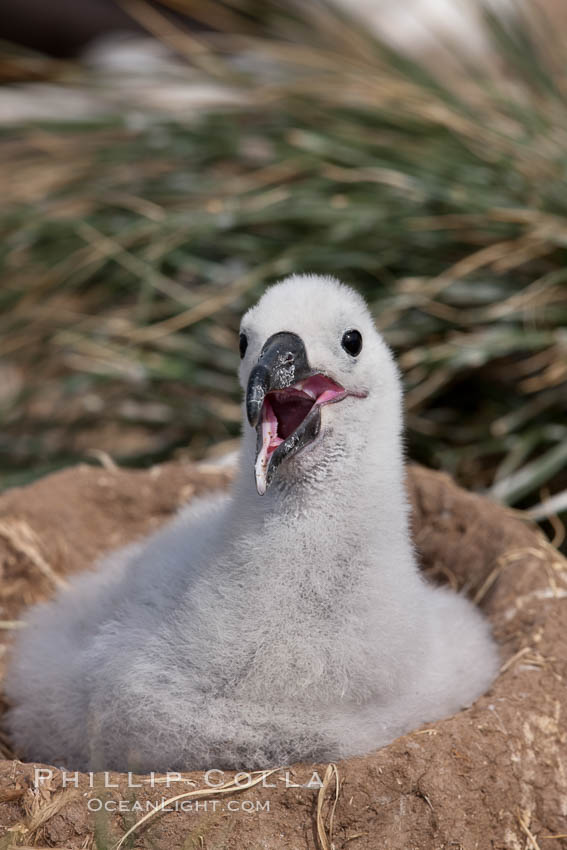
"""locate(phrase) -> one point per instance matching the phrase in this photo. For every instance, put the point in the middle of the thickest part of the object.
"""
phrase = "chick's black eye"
(352, 342)
(243, 344)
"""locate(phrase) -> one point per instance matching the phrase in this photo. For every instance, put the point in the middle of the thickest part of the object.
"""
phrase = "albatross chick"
(284, 621)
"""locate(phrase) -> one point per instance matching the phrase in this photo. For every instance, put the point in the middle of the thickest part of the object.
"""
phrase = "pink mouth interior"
(284, 410)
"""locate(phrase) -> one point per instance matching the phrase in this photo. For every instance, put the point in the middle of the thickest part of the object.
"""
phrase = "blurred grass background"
(131, 244)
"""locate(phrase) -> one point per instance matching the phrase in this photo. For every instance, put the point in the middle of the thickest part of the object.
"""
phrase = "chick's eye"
(243, 344)
(352, 342)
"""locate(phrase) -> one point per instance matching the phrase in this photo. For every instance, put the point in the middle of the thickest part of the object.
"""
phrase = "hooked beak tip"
(253, 414)
(258, 386)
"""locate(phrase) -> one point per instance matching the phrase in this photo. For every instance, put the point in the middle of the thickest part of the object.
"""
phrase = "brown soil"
(493, 776)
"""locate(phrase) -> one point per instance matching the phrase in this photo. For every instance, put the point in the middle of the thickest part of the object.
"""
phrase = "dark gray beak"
(282, 362)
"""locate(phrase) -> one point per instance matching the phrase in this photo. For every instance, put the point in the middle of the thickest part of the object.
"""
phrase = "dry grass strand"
(227, 788)
(324, 834)
(24, 541)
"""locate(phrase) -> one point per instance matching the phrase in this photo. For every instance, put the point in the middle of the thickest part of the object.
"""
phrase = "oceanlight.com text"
(195, 806)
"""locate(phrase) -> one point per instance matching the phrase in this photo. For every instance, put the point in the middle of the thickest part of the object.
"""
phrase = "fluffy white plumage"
(260, 630)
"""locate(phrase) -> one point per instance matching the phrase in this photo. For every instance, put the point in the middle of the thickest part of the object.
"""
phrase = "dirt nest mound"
(492, 776)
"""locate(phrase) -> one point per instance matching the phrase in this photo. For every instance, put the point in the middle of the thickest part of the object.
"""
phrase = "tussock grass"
(130, 247)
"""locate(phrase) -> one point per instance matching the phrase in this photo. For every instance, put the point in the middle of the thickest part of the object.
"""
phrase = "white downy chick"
(285, 621)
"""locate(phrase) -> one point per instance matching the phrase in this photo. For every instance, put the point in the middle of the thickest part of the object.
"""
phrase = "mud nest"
(492, 776)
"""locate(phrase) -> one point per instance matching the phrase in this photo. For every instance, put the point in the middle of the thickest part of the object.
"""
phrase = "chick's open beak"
(283, 400)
